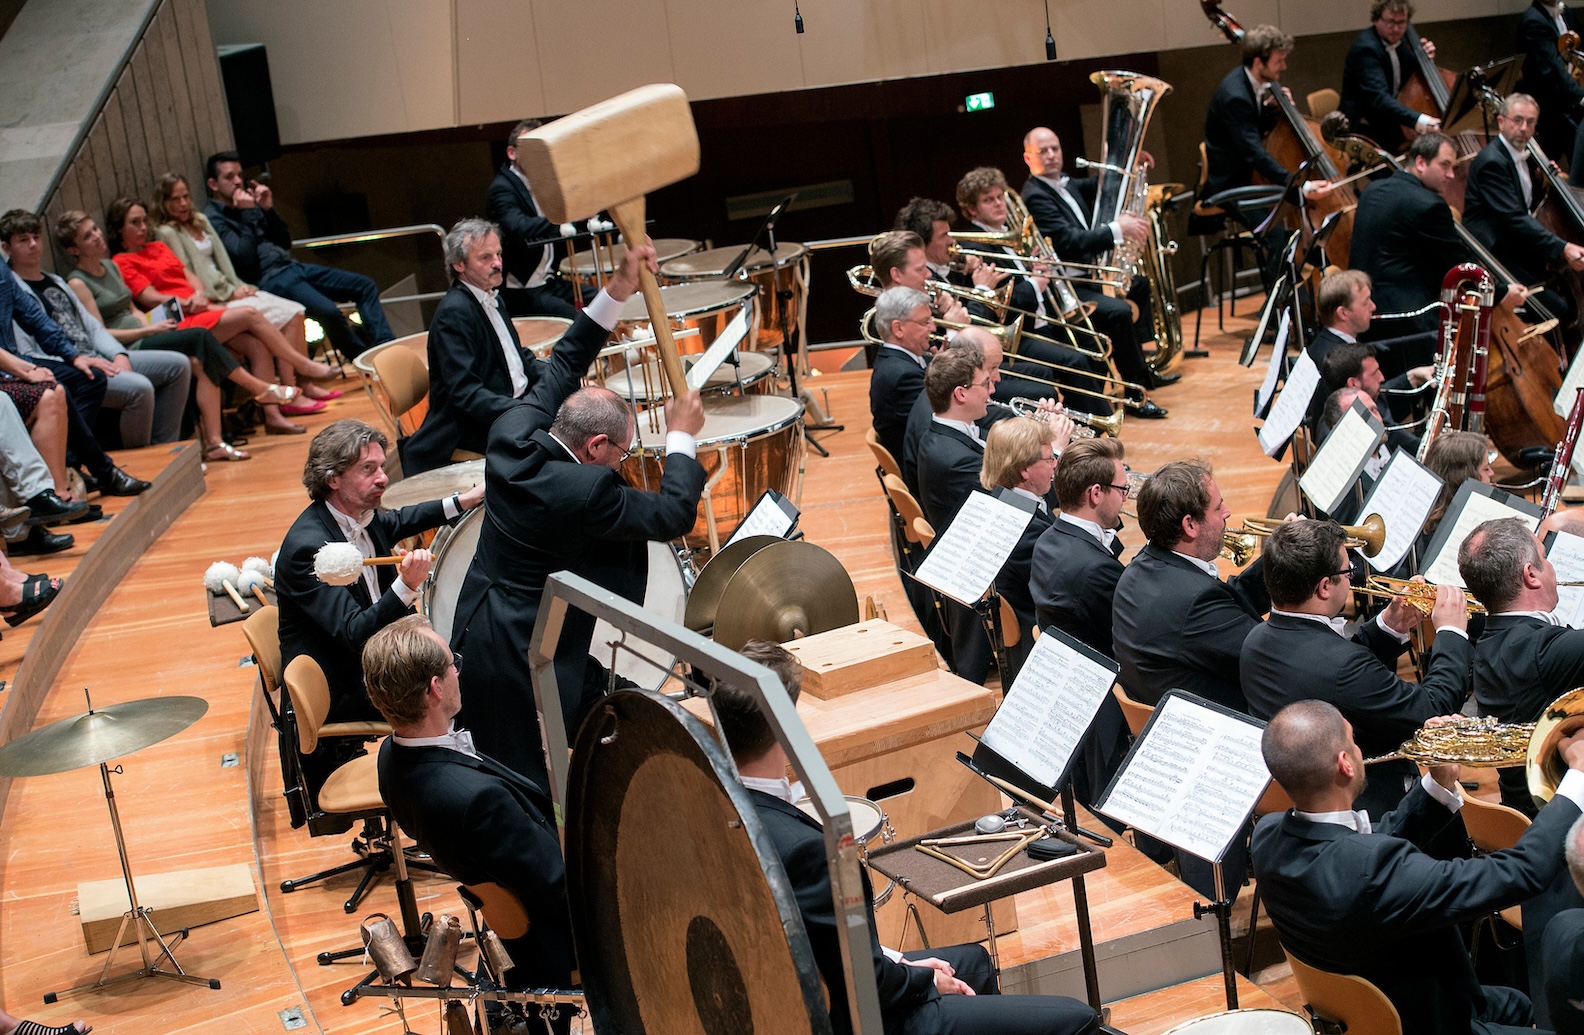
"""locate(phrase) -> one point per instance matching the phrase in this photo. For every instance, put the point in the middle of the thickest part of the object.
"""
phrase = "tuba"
(1128, 99)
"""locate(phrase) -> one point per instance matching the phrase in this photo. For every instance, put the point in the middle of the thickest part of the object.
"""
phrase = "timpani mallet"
(252, 581)
(608, 156)
(220, 577)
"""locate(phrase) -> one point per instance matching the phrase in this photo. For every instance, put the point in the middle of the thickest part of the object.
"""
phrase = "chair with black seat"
(1492, 828)
(1210, 217)
(349, 793)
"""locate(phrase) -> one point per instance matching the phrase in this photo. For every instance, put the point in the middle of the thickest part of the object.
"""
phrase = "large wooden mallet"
(608, 157)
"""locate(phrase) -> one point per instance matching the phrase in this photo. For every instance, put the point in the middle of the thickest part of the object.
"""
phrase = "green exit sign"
(980, 101)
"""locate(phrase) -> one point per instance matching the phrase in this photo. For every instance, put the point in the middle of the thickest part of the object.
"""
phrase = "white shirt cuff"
(1451, 799)
(891, 954)
(1424, 122)
(1571, 787)
(1380, 620)
(1116, 233)
(405, 593)
(449, 508)
(681, 442)
(604, 310)
(1452, 629)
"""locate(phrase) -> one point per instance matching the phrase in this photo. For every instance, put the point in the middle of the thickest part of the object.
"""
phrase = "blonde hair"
(1012, 446)
(399, 662)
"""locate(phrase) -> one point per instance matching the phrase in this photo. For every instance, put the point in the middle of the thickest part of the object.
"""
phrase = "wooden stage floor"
(185, 804)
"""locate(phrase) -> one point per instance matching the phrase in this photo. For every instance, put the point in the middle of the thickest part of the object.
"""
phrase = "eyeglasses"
(456, 661)
(979, 384)
(1345, 573)
(1123, 489)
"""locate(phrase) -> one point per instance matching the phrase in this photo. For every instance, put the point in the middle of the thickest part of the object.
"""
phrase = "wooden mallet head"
(609, 156)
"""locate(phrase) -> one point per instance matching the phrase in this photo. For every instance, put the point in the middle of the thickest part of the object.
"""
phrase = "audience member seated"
(103, 291)
(345, 478)
(10, 1025)
(156, 276)
(25, 481)
(148, 387)
(531, 287)
(259, 244)
(480, 821)
(22, 596)
(187, 232)
(1302, 653)
(82, 376)
(478, 368)
(946, 989)
(42, 409)
(1351, 895)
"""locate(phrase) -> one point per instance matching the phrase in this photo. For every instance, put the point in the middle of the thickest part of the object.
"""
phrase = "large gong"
(684, 919)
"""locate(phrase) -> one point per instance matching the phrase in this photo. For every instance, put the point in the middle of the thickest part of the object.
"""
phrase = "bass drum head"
(665, 596)
(683, 916)
(452, 558)
(1246, 1022)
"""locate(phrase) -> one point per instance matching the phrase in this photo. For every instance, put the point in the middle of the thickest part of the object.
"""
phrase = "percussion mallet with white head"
(340, 564)
(252, 581)
(264, 567)
(221, 577)
(609, 156)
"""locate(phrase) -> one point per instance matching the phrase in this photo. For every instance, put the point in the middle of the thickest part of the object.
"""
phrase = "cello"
(1429, 89)
(1295, 142)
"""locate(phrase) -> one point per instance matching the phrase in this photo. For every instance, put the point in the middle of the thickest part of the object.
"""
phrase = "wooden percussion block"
(857, 657)
(895, 743)
(183, 898)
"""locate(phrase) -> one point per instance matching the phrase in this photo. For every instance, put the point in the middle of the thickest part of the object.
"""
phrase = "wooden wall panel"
(633, 50)
(165, 111)
(885, 36)
(499, 73)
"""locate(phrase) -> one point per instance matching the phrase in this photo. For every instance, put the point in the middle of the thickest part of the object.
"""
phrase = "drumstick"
(219, 577)
(338, 563)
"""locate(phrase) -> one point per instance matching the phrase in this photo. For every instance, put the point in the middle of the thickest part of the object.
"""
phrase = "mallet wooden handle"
(629, 217)
(258, 591)
(381, 560)
(236, 598)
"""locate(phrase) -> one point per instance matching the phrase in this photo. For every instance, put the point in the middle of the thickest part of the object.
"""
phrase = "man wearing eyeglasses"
(479, 820)
(1303, 652)
(559, 502)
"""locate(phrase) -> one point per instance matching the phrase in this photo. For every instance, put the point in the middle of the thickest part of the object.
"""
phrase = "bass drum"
(684, 918)
(665, 595)
(1246, 1022)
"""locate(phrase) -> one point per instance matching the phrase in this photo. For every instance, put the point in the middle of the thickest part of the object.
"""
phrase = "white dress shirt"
(1548, 617)
(1525, 180)
(1017, 264)
(455, 739)
(1038, 500)
(971, 430)
(542, 271)
(1059, 185)
(509, 348)
(920, 360)
(1105, 536)
(1338, 624)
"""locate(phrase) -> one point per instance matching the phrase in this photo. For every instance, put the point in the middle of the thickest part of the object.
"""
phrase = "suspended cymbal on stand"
(785, 590)
(99, 735)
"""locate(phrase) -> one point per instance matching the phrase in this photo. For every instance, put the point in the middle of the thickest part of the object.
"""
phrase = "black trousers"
(553, 298)
(1113, 317)
(83, 398)
(987, 1012)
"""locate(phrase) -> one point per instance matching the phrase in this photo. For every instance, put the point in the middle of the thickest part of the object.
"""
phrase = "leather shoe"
(1146, 410)
(40, 541)
(93, 513)
(50, 509)
(1162, 380)
(119, 483)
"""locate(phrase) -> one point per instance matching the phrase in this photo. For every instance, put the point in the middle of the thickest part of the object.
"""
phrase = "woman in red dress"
(155, 276)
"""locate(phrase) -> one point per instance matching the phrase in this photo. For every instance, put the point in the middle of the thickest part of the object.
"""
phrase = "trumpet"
(1088, 425)
(959, 256)
(1367, 538)
(1418, 595)
(1238, 547)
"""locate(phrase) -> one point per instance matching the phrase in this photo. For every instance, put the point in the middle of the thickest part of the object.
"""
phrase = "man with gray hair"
(1526, 658)
(903, 320)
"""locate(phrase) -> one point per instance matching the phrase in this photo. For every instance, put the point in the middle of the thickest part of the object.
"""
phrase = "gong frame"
(563, 589)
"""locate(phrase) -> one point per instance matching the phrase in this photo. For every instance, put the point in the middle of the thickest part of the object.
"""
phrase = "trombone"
(1421, 595)
(1367, 538)
(1088, 425)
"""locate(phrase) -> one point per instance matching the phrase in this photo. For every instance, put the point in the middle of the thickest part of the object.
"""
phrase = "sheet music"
(1045, 715)
(1342, 457)
(774, 515)
(1566, 553)
(966, 558)
(719, 349)
(1477, 508)
(1403, 497)
(1273, 370)
(1192, 777)
(1291, 405)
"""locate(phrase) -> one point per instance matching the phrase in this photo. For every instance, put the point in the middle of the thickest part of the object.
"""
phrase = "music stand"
(95, 738)
(1500, 77)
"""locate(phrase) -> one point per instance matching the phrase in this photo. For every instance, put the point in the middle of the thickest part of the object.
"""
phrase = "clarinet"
(1560, 466)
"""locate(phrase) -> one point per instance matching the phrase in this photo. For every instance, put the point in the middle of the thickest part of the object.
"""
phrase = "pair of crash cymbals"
(768, 588)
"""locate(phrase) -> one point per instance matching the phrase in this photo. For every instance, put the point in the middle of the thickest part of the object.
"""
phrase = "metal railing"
(369, 236)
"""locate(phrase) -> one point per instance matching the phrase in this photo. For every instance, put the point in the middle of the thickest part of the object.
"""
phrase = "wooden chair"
(908, 507)
(418, 344)
(1274, 800)
(351, 792)
(405, 379)
(1492, 828)
(262, 630)
(882, 455)
(1323, 103)
(924, 531)
(1346, 999)
(1136, 713)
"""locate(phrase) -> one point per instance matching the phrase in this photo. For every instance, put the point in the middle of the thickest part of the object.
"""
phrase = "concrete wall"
(356, 68)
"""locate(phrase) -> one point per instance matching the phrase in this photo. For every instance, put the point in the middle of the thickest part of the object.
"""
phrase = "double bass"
(1295, 142)
(1429, 89)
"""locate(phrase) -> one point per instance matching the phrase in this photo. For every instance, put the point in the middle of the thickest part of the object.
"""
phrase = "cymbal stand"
(138, 916)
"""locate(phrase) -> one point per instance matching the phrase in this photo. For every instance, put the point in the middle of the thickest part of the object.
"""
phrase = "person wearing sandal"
(22, 596)
(10, 1025)
(106, 297)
